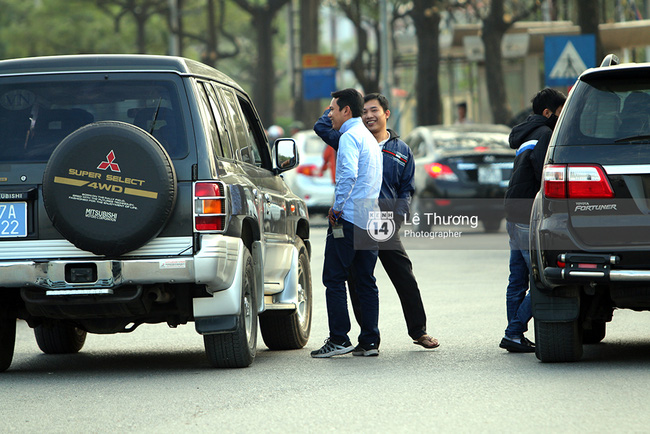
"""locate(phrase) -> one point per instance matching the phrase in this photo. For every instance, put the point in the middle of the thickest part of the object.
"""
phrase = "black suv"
(142, 189)
(590, 224)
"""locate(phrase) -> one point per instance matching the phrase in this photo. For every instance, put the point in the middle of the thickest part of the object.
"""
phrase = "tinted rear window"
(467, 141)
(36, 115)
(606, 111)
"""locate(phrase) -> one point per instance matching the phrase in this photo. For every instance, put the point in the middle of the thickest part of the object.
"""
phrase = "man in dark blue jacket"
(395, 195)
(531, 140)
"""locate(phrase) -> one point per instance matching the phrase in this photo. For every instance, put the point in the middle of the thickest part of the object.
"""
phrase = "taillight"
(209, 206)
(308, 170)
(576, 182)
(440, 171)
(555, 181)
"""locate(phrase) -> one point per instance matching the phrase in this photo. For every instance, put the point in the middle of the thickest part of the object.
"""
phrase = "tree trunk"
(180, 27)
(427, 21)
(141, 23)
(588, 20)
(263, 88)
(210, 55)
(493, 30)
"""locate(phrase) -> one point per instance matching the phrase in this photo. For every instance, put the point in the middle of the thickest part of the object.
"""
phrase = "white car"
(316, 188)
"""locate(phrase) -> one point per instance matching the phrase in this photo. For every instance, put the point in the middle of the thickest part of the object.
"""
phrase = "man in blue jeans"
(348, 245)
(531, 140)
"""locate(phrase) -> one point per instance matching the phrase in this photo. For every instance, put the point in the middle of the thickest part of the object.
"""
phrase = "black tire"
(237, 349)
(558, 341)
(59, 338)
(595, 334)
(7, 341)
(109, 188)
(290, 332)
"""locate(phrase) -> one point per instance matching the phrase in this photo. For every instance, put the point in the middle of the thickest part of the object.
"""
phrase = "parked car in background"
(316, 188)
(461, 170)
(590, 223)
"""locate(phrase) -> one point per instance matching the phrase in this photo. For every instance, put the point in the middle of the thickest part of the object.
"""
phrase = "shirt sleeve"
(347, 170)
(323, 128)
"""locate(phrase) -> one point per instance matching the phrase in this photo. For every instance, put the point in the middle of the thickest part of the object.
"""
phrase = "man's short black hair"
(383, 101)
(547, 99)
(349, 98)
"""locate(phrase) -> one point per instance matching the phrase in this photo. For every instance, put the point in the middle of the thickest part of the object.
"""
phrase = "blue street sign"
(318, 82)
(566, 57)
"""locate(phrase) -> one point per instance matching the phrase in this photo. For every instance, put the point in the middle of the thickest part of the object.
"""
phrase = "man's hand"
(333, 215)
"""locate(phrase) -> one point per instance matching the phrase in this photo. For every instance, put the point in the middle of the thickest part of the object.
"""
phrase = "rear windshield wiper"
(641, 139)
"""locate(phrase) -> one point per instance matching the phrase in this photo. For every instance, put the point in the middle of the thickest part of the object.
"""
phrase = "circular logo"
(381, 226)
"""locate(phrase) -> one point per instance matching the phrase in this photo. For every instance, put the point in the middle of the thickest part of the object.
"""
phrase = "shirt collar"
(349, 124)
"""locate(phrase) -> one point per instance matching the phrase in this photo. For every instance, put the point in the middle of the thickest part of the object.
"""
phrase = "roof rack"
(609, 60)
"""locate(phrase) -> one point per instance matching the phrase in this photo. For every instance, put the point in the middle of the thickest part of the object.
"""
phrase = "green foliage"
(47, 27)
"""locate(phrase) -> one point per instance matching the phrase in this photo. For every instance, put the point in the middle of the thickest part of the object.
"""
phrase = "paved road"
(157, 379)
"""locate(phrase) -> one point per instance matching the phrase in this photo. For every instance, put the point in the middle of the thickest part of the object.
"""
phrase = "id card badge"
(337, 230)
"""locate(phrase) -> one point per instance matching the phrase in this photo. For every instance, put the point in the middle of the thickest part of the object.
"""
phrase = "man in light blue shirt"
(358, 181)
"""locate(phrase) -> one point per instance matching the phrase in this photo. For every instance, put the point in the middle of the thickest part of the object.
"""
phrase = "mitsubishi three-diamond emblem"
(109, 163)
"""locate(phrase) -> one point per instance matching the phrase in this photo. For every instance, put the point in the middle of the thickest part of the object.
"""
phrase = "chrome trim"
(49, 249)
(629, 275)
(79, 292)
(627, 169)
(586, 273)
(280, 306)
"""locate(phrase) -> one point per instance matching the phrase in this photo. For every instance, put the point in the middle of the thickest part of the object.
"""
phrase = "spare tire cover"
(109, 187)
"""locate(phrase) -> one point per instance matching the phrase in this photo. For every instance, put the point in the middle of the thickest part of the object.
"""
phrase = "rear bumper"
(563, 276)
(163, 261)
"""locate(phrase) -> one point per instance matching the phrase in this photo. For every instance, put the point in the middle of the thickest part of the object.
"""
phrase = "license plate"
(489, 175)
(13, 219)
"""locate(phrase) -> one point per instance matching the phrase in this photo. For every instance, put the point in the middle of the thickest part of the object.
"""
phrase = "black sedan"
(461, 174)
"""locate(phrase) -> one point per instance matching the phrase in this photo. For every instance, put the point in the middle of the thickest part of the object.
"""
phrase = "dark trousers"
(399, 268)
(340, 258)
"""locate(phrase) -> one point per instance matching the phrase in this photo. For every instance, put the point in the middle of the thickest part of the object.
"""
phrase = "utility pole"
(174, 42)
(385, 51)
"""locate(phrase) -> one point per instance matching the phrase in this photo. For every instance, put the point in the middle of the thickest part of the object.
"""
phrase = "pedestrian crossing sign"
(566, 57)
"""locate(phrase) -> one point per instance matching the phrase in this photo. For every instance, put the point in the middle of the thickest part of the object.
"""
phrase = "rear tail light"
(308, 170)
(440, 171)
(576, 182)
(209, 206)
(555, 181)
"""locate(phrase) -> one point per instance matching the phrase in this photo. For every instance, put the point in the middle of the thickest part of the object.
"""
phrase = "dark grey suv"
(142, 189)
(590, 225)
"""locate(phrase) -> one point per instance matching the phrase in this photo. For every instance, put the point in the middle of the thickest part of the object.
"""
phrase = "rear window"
(471, 141)
(36, 115)
(606, 112)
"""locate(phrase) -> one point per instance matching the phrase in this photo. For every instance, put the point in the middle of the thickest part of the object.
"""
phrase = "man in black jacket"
(531, 140)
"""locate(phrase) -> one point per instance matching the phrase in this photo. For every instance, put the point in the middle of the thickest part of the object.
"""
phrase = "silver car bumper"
(163, 260)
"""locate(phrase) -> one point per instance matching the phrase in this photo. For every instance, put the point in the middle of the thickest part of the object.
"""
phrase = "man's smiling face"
(374, 117)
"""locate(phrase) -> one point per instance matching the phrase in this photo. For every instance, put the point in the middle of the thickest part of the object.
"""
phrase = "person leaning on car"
(395, 195)
(530, 139)
(358, 181)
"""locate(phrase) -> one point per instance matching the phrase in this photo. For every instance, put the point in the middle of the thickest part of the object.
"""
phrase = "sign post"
(318, 75)
(566, 57)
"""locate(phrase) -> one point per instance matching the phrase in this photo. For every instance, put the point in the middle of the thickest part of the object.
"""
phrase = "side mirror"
(286, 155)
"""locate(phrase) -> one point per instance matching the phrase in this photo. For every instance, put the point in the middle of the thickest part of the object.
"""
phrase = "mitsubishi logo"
(109, 163)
